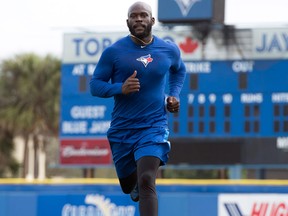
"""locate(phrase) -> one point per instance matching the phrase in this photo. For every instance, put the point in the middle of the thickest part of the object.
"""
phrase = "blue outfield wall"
(103, 197)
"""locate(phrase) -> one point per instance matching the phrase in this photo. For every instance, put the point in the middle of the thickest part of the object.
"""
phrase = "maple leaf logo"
(189, 46)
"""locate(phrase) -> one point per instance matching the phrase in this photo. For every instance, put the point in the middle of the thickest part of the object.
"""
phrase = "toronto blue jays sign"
(181, 11)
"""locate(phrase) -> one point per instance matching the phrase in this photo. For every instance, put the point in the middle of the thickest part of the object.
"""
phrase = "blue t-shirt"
(153, 63)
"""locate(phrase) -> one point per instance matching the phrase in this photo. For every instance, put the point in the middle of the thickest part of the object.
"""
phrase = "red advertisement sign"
(85, 152)
(263, 204)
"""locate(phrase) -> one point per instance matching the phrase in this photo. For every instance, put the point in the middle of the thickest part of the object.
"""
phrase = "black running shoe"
(135, 194)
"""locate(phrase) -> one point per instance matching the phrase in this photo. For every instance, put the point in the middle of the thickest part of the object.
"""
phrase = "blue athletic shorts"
(130, 145)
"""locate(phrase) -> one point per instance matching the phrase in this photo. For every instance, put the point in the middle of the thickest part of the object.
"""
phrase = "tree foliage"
(29, 96)
(7, 163)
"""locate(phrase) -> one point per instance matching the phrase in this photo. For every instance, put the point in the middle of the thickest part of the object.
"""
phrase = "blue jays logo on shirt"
(145, 59)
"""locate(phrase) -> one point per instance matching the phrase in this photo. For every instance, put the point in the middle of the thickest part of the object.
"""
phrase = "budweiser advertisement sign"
(85, 152)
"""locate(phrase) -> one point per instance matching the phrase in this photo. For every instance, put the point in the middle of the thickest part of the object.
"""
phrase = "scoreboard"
(232, 111)
(219, 99)
(233, 99)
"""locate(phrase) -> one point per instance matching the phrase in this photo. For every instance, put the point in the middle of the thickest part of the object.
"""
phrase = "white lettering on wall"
(71, 151)
(282, 142)
(242, 66)
(190, 98)
(201, 98)
(91, 68)
(198, 67)
(96, 205)
(212, 98)
(78, 70)
(88, 112)
(99, 127)
(77, 127)
(252, 98)
(280, 97)
(227, 98)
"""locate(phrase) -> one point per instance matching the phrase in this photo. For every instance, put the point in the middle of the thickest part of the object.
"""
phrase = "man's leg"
(127, 184)
(147, 168)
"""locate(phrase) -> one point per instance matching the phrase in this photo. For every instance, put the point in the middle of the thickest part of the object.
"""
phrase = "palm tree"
(8, 164)
(29, 98)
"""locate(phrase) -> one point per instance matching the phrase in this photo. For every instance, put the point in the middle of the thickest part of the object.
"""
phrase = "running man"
(133, 70)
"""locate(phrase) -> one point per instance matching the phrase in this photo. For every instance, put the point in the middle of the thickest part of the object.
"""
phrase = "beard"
(143, 34)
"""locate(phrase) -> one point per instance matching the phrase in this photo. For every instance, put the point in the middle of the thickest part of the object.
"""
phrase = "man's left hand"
(173, 105)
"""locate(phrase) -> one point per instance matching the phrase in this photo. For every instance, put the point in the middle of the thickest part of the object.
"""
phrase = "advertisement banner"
(87, 48)
(85, 152)
(252, 204)
(270, 43)
(89, 205)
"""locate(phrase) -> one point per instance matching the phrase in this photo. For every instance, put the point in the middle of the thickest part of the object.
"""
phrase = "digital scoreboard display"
(219, 99)
(233, 99)
(231, 112)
